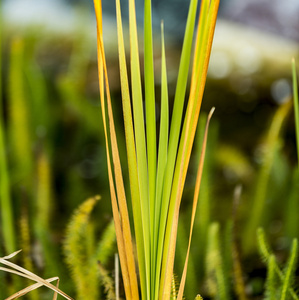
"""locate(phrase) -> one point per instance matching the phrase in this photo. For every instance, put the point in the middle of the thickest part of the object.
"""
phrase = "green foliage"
(289, 271)
(20, 118)
(217, 280)
(107, 282)
(286, 283)
(262, 180)
(51, 157)
(7, 224)
(25, 244)
(204, 211)
(83, 268)
(82, 256)
(296, 105)
(271, 291)
(239, 284)
(156, 197)
(291, 215)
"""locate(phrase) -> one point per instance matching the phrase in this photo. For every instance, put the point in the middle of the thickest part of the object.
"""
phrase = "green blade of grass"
(296, 105)
(178, 106)
(194, 206)
(20, 121)
(150, 111)
(271, 285)
(266, 254)
(162, 159)
(260, 192)
(186, 142)
(239, 284)
(216, 276)
(119, 205)
(291, 218)
(140, 139)
(175, 129)
(131, 153)
(200, 36)
(8, 229)
(290, 270)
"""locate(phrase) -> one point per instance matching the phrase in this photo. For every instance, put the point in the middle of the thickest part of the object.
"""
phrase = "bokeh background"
(52, 124)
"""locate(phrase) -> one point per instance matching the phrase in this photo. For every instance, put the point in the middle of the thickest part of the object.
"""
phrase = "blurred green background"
(53, 156)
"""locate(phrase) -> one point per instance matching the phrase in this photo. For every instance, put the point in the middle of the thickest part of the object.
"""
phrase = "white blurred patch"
(281, 90)
(248, 59)
(46, 13)
(220, 65)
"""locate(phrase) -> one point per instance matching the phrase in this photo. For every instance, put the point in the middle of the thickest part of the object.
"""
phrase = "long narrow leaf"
(290, 270)
(140, 138)
(296, 105)
(174, 132)
(176, 119)
(8, 230)
(131, 152)
(118, 230)
(162, 159)
(122, 224)
(194, 206)
(25, 273)
(260, 193)
(185, 148)
(7, 223)
(271, 285)
(150, 110)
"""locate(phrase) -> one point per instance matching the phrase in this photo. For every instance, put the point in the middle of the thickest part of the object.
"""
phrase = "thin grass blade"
(8, 230)
(185, 148)
(290, 270)
(260, 193)
(25, 273)
(175, 126)
(150, 110)
(194, 205)
(296, 105)
(174, 133)
(140, 139)
(162, 160)
(29, 289)
(122, 225)
(131, 152)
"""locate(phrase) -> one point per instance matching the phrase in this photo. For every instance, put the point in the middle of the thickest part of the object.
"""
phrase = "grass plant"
(17, 270)
(51, 159)
(292, 227)
(156, 193)
(262, 181)
(216, 275)
(86, 259)
(7, 217)
(296, 105)
(285, 287)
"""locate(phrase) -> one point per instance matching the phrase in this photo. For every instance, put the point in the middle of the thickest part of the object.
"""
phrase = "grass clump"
(156, 193)
(50, 159)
